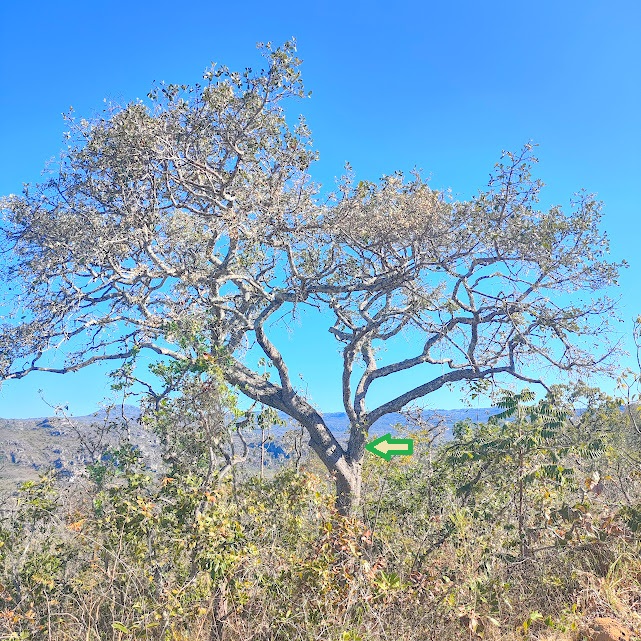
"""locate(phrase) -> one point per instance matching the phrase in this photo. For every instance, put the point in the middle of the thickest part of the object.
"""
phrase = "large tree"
(195, 216)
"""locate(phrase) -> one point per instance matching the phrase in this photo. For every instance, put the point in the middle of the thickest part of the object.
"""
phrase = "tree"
(190, 227)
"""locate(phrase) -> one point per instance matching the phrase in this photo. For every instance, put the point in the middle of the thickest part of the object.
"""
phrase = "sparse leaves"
(189, 226)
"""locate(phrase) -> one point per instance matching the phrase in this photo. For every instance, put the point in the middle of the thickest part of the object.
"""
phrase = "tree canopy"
(190, 225)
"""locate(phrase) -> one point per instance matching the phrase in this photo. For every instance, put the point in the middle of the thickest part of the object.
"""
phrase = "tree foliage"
(196, 216)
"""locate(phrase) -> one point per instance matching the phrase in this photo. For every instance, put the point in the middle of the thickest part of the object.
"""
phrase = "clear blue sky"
(444, 86)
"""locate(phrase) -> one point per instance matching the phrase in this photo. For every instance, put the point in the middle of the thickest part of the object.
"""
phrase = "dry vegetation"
(522, 528)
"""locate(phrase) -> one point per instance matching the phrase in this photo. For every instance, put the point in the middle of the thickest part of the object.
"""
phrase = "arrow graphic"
(385, 446)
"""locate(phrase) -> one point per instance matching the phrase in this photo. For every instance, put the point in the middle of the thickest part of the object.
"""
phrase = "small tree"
(197, 216)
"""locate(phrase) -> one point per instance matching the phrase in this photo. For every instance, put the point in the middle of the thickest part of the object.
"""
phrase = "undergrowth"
(525, 527)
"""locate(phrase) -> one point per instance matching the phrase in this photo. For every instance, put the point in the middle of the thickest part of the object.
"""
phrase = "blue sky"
(440, 86)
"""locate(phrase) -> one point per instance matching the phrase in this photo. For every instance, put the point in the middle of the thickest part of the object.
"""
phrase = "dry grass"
(137, 558)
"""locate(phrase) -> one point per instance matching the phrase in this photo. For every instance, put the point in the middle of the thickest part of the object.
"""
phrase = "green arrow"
(386, 447)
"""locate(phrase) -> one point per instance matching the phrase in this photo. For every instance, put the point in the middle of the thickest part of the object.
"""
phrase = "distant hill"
(338, 422)
(29, 446)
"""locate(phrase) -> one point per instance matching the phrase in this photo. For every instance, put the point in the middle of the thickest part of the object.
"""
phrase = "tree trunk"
(348, 485)
(348, 490)
(345, 465)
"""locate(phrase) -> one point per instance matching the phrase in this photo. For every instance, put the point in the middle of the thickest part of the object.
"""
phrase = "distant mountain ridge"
(335, 421)
(28, 446)
(338, 422)
(128, 411)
